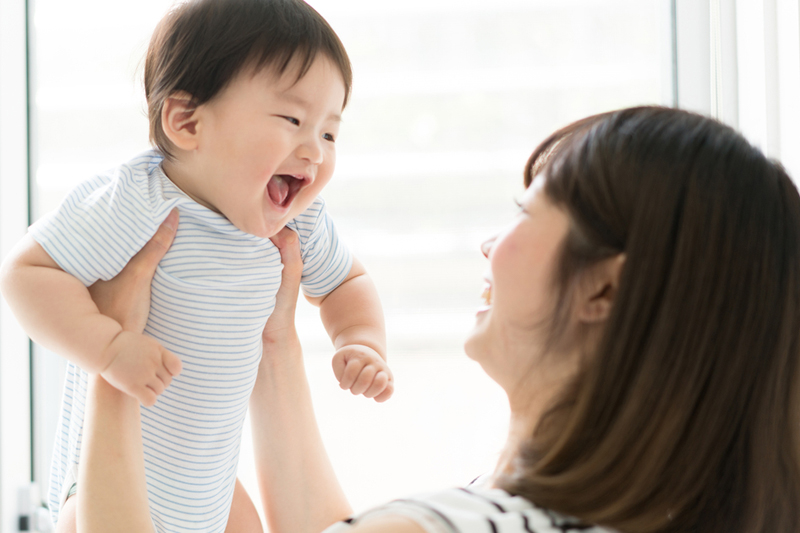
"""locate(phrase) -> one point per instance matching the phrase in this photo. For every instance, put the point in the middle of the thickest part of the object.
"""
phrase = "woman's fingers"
(282, 317)
(126, 298)
(148, 258)
(288, 245)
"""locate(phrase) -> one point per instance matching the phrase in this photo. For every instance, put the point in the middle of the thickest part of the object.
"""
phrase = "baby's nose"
(311, 151)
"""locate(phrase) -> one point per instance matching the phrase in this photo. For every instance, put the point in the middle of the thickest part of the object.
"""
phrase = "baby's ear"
(179, 120)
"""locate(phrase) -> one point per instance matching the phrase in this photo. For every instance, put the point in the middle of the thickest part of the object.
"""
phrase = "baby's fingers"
(146, 396)
(364, 380)
(350, 374)
(378, 385)
(171, 363)
(157, 386)
(386, 394)
(338, 363)
(164, 377)
(170, 367)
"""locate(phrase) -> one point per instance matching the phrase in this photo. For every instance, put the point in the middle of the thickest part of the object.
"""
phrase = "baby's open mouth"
(282, 188)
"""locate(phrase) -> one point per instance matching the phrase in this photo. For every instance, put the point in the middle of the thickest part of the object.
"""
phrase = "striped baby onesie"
(473, 509)
(211, 296)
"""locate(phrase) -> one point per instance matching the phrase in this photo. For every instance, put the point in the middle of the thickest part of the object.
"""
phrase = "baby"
(245, 100)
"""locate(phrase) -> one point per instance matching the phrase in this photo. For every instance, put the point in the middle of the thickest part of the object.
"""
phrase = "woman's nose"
(486, 247)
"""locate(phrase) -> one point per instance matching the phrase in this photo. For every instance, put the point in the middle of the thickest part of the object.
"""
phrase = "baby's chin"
(263, 229)
(267, 221)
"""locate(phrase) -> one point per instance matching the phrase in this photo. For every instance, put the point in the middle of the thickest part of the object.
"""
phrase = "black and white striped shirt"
(473, 509)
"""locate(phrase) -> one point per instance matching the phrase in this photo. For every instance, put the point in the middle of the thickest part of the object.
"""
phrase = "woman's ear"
(598, 290)
(180, 120)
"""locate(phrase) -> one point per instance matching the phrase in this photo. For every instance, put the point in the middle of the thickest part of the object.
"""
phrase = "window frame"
(15, 348)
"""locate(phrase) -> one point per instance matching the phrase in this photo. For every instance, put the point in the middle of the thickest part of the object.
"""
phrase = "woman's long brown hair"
(685, 417)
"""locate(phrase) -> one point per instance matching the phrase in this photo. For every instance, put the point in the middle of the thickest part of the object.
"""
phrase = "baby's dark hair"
(201, 45)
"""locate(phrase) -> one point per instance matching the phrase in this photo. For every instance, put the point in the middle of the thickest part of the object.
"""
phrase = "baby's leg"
(66, 517)
(244, 517)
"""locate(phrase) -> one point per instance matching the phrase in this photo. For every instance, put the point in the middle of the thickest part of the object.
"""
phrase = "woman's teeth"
(486, 295)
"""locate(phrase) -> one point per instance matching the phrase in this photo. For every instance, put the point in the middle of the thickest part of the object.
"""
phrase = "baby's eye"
(293, 120)
(329, 137)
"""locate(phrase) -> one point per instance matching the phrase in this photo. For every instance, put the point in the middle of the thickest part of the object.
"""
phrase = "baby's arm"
(353, 317)
(56, 311)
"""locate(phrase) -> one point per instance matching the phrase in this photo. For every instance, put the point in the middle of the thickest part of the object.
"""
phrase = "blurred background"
(449, 99)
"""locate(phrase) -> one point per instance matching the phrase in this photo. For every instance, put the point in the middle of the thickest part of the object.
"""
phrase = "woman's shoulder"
(471, 509)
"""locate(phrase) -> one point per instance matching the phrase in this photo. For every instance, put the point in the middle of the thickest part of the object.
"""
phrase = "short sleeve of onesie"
(100, 225)
(326, 259)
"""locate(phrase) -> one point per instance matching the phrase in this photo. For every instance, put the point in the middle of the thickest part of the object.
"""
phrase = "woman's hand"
(126, 298)
(113, 491)
(299, 490)
(142, 367)
(280, 325)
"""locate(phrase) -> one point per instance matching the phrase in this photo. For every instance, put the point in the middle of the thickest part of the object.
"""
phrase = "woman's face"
(511, 328)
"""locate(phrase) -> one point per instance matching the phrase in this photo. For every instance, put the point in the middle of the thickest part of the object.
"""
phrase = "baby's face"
(267, 145)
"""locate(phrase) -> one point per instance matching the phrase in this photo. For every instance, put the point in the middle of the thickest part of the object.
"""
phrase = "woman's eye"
(329, 137)
(293, 120)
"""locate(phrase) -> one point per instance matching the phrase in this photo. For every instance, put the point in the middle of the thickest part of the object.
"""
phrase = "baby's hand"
(140, 366)
(363, 371)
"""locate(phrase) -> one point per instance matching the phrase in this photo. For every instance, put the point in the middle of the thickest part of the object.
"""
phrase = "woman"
(643, 316)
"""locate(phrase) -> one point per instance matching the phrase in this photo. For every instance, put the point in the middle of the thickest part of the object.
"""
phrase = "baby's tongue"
(278, 189)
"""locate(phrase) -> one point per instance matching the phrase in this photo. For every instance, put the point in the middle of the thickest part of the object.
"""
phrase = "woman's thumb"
(152, 252)
(288, 245)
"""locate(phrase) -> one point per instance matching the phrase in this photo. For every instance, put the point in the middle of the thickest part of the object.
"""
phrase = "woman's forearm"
(299, 489)
(111, 482)
(112, 491)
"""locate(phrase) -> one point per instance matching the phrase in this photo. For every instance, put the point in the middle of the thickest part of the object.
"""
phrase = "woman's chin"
(475, 344)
